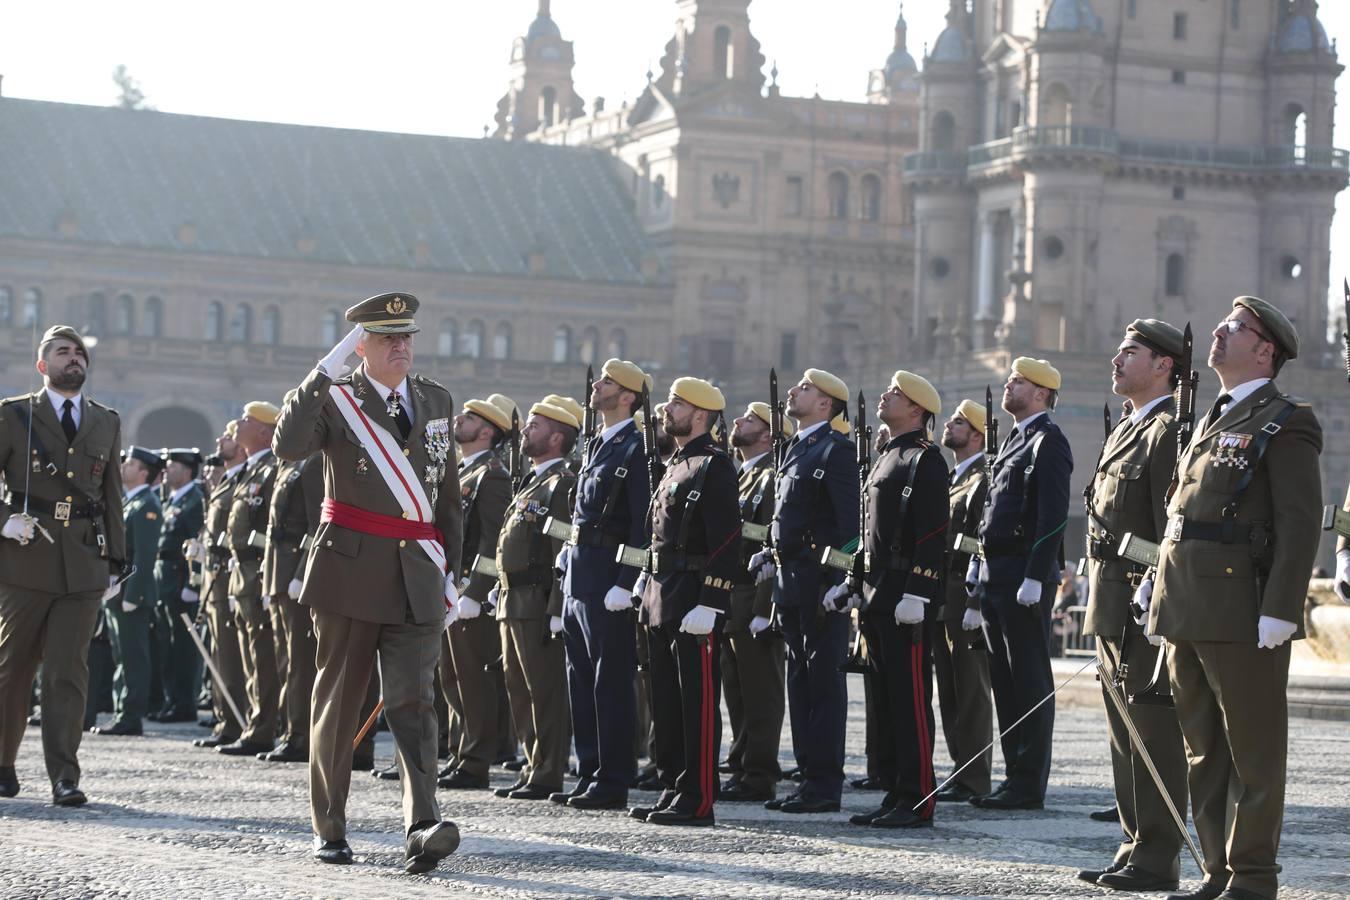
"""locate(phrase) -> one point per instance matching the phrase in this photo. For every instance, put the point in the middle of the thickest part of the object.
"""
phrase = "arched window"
(617, 348)
(241, 324)
(723, 53)
(96, 322)
(124, 314)
(942, 132)
(6, 305)
(1175, 280)
(445, 338)
(271, 326)
(501, 341)
(32, 307)
(548, 107)
(590, 345)
(871, 198)
(837, 188)
(471, 341)
(1057, 108)
(562, 344)
(152, 325)
(215, 323)
(328, 329)
(659, 193)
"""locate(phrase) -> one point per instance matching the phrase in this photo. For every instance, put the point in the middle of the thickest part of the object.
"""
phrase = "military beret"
(386, 314)
(627, 375)
(1158, 336)
(699, 393)
(262, 411)
(489, 412)
(188, 456)
(63, 332)
(918, 389)
(827, 383)
(566, 403)
(973, 413)
(1276, 322)
(505, 404)
(761, 409)
(555, 412)
(232, 428)
(1037, 371)
(150, 458)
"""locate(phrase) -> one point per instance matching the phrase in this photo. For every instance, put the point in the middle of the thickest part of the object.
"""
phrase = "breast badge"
(1230, 449)
(438, 442)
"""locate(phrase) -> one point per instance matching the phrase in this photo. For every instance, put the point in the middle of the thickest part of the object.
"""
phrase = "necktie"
(1217, 409)
(68, 419)
(400, 415)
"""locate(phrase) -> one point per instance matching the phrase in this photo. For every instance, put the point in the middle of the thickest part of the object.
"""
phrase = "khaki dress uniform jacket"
(215, 608)
(247, 531)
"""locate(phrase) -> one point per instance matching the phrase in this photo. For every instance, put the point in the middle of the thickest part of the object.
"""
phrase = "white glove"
(451, 597)
(234, 604)
(758, 624)
(973, 575)
(469, 608)
(554, 624)
(188, 595)
(266, 602)
(909, 611)
(1029, 594)
(1272, 632)
(113, 589)
(564, 559)
(293, 589)
(18, 528)
(640, 587)
(193, 549)
(129, 607)
(762, 565)
(493, 596)
(334, 365)
(699, 620)
(618, 599)
(972, 620)
(1143, 598)
(1343, 575)
(839, 598)
(232, 564)
(1155, 639)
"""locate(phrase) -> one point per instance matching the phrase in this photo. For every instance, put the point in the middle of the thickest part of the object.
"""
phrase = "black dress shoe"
(460, 780)
(869, 817)
(156, 716)
(428, 846)
(9, 782)
(67, 794)
(1008, 799)
(363, 763)
(868, 784)
(955, 793)
(504, 792)
(286, 753)
(533, 792)
(35, 720)
(740, 793)
(1110, 814)
(599, 800)
(1207, 890)
(1133, 878)
(1241, 894)
(335, 852)
(389, 774)
(561, 797)
(119, 729)
(244, 748)
(809, 805)
(211, 722)
(902, 817)
(1091, 875)
(213, 741)
(642, 812)
(514, 765)
(777, 803)
(649, 783)
(676, 817)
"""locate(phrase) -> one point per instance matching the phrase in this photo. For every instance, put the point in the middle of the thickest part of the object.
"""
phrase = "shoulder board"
(714, 450)
(429, 382)
(103, 406)
(8, 400)
(1295, 401)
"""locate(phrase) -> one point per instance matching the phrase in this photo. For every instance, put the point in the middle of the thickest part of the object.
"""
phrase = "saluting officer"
(474, 641)
(904, 549)
(529, 603)
(128, 611)
(611, 507)
(381, 580)
(180, 664)
(816, 507)
(247, 531)
(1127, 495)
(293, 515)
(1022, 533)
(58, 455)
(752, 656)
(1233, 571)
(960, 657)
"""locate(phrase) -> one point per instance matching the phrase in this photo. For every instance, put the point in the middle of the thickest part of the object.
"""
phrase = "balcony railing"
(935, 162)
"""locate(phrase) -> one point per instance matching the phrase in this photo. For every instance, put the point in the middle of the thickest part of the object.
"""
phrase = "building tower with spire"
(541, 93)
(898, 80)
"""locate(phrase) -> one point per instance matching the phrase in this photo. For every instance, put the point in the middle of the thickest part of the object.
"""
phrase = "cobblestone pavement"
(169, 820)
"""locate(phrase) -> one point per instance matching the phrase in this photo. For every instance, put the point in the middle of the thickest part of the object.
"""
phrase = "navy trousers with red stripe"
(901, 674)
(686, 678)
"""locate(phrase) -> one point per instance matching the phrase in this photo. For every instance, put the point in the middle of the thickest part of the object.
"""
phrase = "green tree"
(130, 95)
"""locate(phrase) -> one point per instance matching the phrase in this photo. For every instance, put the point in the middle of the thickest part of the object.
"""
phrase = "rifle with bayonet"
(637, 557)
(1097, 532)
(856, 563)
(1345, 335)
(587, 417)
(515, 460)
(776, 451)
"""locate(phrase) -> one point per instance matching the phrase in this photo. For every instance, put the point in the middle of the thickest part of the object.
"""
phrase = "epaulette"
(8, 400)
(495, 464)
(344, 379)
(104, 406)
(1295, 401)
(429, 382)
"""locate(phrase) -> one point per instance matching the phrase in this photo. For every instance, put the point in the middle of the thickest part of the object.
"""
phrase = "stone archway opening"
(175, 426)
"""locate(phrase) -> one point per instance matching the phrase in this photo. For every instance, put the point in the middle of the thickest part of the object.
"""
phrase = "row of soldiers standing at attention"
(740, 577)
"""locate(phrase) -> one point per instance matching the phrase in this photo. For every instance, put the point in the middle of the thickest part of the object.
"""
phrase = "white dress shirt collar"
(811, 428)
(58, 401)
(1022, 425)
(613, 430)
(1138, 415)
(384, 391)
(966, 464)
(750, 463)
(257, 456)
(468, 460)
(178, 494)
(543, 467)
(132, 492)
(1244, 390)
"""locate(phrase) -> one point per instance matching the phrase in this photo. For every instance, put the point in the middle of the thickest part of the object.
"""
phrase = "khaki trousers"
(536, 682)
(346, 655)
(961, 667)
(753, 673)
(225, 654)
(53, 630)
(262, 682)
(293, 635)
(471, 693)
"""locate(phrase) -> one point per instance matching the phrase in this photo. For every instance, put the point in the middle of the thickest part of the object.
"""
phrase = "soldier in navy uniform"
(613, 492)
(686, 591)
(180, 664)
(816, 507)
(904, 547)
(1022, 534)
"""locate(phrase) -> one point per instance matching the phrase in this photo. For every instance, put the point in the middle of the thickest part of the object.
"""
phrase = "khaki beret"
(490, 413)
(1275, 322)
(918, 389)
(1157, 335)
(59, 332)
(699, 393)
(555, 412)
(566, 403)
(841, 425)
(829, 384)
(262, 411)
(973, 413)
(231, 428)
(1037, 371)
(762, 411)
(505, 404)
(627, 375)
(386, 314)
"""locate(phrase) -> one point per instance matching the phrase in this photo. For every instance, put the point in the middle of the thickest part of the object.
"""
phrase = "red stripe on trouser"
(705, 750)
(921, 722)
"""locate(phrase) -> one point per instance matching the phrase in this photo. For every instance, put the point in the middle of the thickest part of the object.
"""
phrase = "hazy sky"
(433, 67)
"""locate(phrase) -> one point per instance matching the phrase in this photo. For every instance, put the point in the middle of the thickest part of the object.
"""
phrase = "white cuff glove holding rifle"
(129, 607)
(973, 575)
(840, 598)
(699, 620)
(761, 564)
(555, 624)
(451, 597)
(1143, 598)
(563, 561)
(909, 611)
(493, 596)
(188, 595)
(972, 620)
(469, 608)
(640, 587)
(112, 589)
(293, 589)
(618, 599)
(334, 365)
(266, 602)
(1342, 575)
(1029, 594)
(18, 528)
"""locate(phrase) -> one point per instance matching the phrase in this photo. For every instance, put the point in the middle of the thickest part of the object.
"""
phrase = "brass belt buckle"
(62, 512)
(1175, 526)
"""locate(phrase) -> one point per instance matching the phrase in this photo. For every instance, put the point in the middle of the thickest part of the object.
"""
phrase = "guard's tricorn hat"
(188, 456)
(386, 314)
(1276, 322)
(63, 332)
(150, 458)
